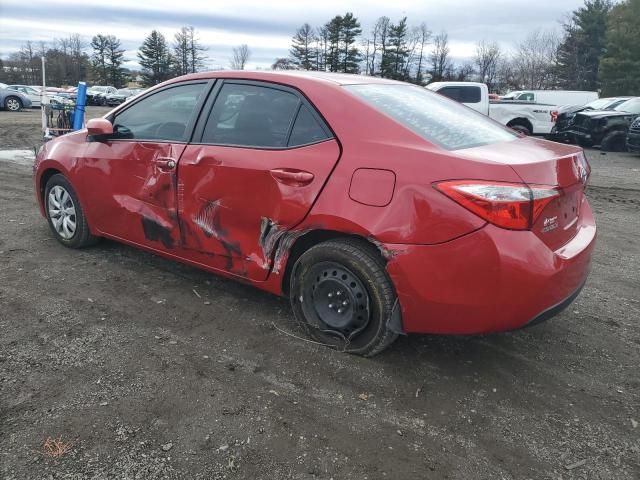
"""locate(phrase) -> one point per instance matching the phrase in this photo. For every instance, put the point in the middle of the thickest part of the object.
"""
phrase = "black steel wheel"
(342, 296)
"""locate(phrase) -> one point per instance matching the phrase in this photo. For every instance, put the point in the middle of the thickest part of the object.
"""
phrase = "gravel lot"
(148, 369)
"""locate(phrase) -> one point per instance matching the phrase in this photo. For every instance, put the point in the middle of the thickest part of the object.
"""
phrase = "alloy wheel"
(62, 212)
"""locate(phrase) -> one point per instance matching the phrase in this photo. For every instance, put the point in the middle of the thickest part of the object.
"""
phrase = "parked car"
(121, 96)
(527, 118)
(97, 95)
(377, 207)
(567, 113)
(13, 100)
(553, 97)
(607, 128)
(633, 137)
(33, 94)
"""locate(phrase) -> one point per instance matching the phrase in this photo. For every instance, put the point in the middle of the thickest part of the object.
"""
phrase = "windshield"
(631, 106)
(434, 117)
(599, 104)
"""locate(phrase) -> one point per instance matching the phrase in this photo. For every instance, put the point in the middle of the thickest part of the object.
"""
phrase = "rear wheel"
(13, 104)
(342, 296)
(614, 142)
(65, 215)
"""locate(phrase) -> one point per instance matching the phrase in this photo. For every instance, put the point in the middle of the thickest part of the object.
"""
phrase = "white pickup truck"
(526, 117)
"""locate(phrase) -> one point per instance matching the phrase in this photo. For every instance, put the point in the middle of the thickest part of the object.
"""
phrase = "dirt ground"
(147, 369)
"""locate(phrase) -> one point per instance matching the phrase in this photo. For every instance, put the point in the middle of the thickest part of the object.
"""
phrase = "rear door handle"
(166, 163)
(292, 177)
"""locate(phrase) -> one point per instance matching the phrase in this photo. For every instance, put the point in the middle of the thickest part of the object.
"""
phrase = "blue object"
(81, 102)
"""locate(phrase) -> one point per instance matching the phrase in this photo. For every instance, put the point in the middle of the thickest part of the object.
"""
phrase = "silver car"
(13, 100)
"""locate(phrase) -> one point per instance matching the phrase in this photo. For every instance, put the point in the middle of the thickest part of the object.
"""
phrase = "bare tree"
(379, 43)
(241, 55)
(535, 58)
(439, 60)
(487, 59)
(422, 35)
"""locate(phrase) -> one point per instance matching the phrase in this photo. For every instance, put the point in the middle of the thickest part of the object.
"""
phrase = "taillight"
(554, 116)
(515, 206)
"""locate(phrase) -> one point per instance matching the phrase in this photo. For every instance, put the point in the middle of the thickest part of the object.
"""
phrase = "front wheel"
(65, 215)
(522, 129)
(342, 296)
(13, 104)
(615, 141)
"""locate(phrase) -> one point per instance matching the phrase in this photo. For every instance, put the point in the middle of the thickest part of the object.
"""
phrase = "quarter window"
(162, 116)
(251, 116)
(306, 129)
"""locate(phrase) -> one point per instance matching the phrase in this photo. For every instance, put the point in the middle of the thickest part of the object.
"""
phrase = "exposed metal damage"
(207, 219)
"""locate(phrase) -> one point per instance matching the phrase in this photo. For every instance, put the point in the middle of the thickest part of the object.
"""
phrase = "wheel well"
(521, 121)
(44, 178)
(312, 238)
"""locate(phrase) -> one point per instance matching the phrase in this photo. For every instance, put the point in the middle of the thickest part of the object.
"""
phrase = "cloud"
(267, 26)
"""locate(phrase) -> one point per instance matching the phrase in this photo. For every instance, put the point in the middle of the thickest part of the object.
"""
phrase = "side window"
(251, 116)
(451, 92)
(527, 97)
(162, 116)
(306, 129)
(470, 94)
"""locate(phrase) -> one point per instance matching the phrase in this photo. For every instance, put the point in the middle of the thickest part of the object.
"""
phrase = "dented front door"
(241, 203)
(133, 190)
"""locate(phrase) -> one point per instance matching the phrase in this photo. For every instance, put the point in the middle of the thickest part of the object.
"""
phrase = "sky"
(267, 25)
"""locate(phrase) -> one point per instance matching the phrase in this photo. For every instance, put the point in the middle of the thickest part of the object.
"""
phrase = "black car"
(633, 137)
(567, 113)
(607, 128)
(97, 95)
(121, 96)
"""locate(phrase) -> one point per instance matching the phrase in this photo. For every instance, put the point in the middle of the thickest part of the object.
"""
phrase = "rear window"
(462, 94)
(437, 119)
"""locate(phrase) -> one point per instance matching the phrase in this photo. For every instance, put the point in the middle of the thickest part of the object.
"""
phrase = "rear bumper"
(490, 280)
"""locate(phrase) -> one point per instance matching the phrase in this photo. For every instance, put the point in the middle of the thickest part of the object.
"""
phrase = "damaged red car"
(379, 208)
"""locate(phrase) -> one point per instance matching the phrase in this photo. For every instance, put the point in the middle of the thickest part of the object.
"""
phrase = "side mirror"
(99, 126)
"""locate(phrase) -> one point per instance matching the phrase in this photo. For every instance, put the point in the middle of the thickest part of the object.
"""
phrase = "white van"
(553, 97)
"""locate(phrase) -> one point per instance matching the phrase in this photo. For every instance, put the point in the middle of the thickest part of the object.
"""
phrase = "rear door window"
(251, 116)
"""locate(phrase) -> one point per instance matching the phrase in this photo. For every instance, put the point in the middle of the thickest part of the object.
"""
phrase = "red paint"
(237, 211)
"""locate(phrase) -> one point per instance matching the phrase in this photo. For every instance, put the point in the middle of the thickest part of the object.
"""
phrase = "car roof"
(289, 75)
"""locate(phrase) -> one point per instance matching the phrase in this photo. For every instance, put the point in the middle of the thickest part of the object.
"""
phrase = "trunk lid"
(539, 162)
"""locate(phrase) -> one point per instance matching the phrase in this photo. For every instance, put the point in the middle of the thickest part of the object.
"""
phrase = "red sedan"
(380, 208)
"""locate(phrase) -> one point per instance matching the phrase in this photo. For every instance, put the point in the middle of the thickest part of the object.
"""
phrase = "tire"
(582, 142)
(341, 272)
(13, 104)
(70, 227)
(523, 129)
(615, 141)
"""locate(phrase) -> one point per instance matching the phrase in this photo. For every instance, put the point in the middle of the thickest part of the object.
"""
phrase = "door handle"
(293, 177)
(166, 163)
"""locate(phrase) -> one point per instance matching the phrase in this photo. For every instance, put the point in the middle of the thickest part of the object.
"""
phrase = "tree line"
(70, 60)
(598, 48)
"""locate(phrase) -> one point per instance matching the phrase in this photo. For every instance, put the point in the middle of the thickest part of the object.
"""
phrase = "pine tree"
(350, 55)
(396, 53)
(303, 53)
(620, 66)
(99, 58)
(334, 30)
(155, 59)
(578, 56)
(115, 54)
